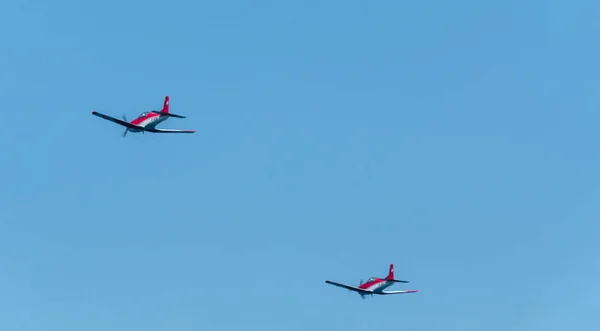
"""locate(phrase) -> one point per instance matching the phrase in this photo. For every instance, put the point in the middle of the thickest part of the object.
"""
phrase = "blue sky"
(457, 140)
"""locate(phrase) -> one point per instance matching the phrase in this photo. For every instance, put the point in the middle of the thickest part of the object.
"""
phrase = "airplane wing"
(170, 131)
(118, 121)
(398, 292)
(348, 287)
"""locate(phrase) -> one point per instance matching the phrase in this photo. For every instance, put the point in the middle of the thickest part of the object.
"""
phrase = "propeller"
(126, 129)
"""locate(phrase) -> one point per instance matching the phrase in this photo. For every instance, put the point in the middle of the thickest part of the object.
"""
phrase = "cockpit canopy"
(143, 114)
(371, 279)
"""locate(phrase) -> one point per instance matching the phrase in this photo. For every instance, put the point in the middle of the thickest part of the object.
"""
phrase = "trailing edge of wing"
(115, 120)
(170, 131)
(399, 292)
(348, 287)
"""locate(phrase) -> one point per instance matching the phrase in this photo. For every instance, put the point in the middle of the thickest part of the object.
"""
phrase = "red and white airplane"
(375, 285)
(147, 121)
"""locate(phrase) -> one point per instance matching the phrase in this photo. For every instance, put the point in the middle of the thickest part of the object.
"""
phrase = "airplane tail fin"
(165, 108)
(390, 276)
(391, 273)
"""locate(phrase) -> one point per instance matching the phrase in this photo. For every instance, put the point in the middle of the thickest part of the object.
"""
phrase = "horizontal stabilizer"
(397, 281)
(168, 114)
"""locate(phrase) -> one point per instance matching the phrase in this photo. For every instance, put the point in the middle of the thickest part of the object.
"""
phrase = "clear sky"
(456, 139)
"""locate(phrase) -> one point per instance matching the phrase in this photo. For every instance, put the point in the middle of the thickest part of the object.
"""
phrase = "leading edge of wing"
(115, 120)
(398, 292)
(170, 131)
(348, 287)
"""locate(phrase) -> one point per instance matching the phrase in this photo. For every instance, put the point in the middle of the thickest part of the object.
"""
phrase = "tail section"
(166, 105)
(165, 110)
(390, 275)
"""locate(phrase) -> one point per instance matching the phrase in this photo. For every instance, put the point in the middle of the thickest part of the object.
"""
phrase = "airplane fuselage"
(376, 286)
(149, 121)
